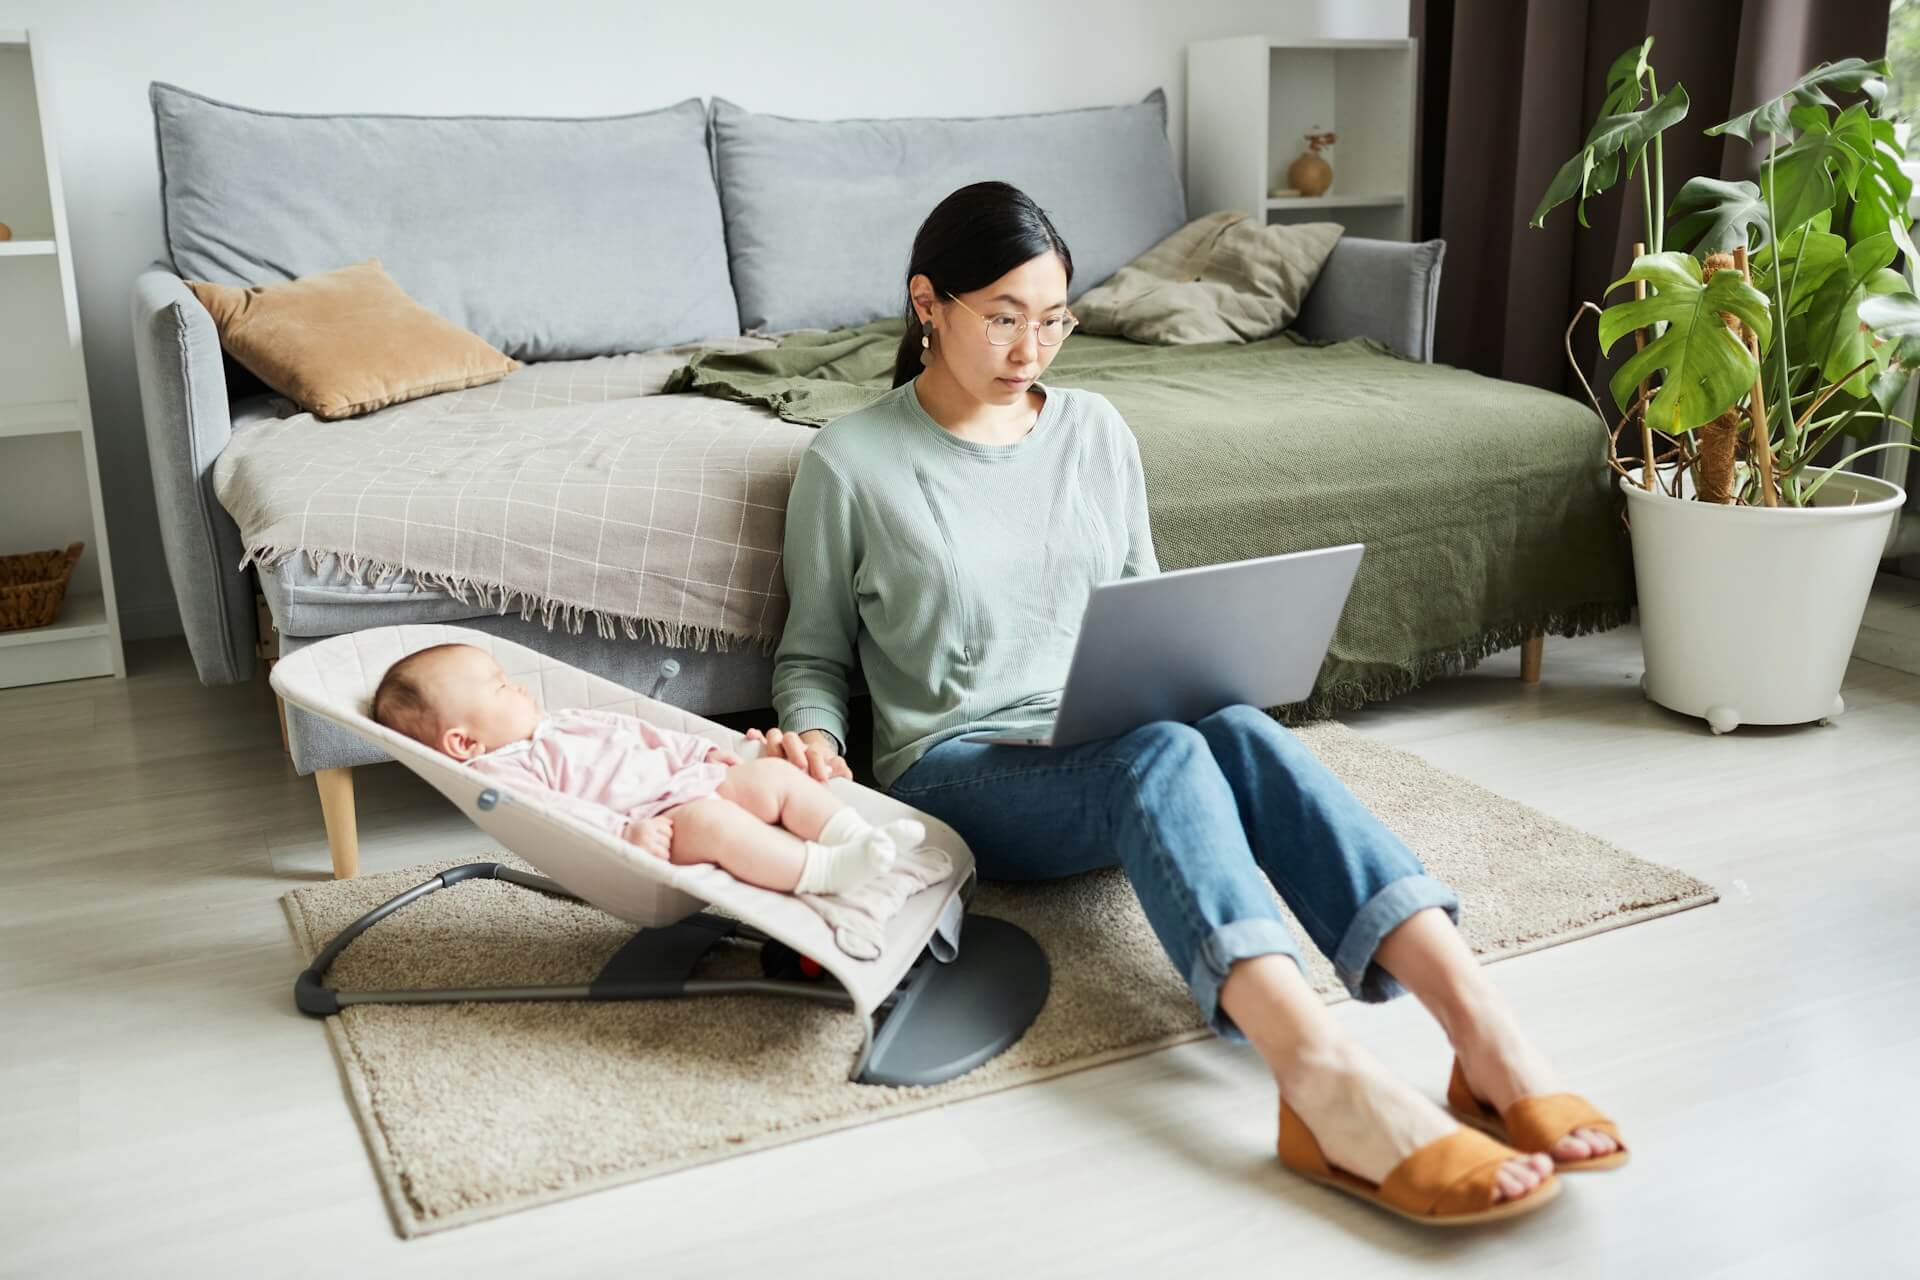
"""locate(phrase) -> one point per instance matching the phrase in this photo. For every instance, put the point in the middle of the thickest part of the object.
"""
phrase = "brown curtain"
(1508, 91)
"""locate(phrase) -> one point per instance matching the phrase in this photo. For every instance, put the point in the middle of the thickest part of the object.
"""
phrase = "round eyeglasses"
(1005, 330)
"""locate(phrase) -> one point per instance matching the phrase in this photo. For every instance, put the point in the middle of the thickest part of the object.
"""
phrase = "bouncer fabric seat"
(336, 678)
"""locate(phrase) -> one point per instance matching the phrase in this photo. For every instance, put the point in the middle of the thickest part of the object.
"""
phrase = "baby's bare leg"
(837, 848)
(718, 830)
(774, 791)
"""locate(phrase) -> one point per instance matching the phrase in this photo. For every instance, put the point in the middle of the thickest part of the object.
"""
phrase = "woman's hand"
(655, 835)
(811, 750)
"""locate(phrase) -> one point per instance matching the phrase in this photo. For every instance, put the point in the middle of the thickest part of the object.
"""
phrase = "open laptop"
(1183, 644)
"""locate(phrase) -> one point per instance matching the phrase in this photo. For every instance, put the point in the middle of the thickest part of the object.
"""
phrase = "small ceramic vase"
(1311, 173)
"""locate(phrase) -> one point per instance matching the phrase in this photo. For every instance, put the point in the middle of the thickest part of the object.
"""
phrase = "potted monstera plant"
(1768, 320)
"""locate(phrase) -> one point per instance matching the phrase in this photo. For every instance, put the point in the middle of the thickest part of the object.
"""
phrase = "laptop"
(1183, 644)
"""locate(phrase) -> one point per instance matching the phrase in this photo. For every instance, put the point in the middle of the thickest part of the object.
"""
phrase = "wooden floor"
(165, 1112)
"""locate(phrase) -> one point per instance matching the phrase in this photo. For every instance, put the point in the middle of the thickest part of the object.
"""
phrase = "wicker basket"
(32, 585)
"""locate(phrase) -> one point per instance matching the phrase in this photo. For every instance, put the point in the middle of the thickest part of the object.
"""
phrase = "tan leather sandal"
(1536, 1123)
(1450, 1182)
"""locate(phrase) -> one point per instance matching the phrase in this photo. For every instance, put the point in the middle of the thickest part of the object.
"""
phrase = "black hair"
(972, 238)
(404, 703)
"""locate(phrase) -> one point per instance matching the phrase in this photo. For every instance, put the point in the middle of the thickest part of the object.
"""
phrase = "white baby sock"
(837, 867)
(844, 826)
(907, 834)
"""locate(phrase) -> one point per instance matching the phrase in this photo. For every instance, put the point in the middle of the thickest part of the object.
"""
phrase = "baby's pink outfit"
(606, 767)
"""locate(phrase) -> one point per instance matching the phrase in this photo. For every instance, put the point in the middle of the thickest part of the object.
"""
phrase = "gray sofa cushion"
(550, 238)
(821, 214)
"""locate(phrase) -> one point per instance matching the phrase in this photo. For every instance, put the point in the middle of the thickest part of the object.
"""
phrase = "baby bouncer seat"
(948, 991)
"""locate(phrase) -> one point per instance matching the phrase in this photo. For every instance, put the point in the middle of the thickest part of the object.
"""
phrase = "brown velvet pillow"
(345, 342)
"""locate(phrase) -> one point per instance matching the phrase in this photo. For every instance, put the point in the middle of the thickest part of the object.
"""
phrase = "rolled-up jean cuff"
(1241, 940)
(1384, 912)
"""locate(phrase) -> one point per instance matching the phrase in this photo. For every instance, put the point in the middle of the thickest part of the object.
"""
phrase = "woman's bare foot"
(1367, 1120)
(1502, 1066)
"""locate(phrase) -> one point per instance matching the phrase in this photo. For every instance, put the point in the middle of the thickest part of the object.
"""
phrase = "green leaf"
(1849, 75)
(1597, 165)
(1704, 368)
(1804, 178)
(1894, 317)
(1880, 199)
(1909, 255)
(1710, 215)
(1624, 79)
(1837, 340)
(1815, 251)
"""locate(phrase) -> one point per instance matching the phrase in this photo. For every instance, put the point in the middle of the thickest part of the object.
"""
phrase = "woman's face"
(1034, 290)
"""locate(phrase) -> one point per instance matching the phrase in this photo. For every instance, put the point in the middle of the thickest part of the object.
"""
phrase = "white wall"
(560, 57)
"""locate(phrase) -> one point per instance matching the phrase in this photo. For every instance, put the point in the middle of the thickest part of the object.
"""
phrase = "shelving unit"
(1251, 100)
(49, 470)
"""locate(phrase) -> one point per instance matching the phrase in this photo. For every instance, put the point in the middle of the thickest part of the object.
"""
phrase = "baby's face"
(483, 709)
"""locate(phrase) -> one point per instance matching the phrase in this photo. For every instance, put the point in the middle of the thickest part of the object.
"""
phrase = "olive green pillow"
(346, 342)
(1222, 278)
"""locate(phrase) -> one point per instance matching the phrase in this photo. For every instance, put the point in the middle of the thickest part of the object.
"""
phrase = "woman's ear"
(920, 291)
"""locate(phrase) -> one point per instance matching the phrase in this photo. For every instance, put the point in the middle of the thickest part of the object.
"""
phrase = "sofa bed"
(615, 256)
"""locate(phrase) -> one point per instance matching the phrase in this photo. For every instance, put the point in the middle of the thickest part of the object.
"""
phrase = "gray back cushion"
(548, 238)
(821, 214)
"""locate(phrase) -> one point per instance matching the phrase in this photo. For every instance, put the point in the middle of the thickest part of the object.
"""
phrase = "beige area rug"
(582, 1096)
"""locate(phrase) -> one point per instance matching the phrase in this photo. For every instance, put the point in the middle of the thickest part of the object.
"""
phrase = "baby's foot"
(835, 868)
(907, 834)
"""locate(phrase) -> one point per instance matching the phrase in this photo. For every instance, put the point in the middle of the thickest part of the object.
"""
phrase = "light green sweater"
(957, 572)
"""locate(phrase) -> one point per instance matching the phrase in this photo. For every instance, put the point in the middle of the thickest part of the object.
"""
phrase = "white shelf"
(39, 419)
(1251, 102)
(49, 470)
(81, 644)
(81, 617)
(1334, 200)
(1336, 42)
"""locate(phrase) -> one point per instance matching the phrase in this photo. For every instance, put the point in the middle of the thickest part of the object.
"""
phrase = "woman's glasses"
(1005, 330)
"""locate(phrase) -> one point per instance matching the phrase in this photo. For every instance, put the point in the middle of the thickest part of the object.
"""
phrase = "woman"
(949, 534)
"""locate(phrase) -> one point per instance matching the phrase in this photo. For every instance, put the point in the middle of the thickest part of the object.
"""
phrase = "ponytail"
(908, 362)
(972, 238)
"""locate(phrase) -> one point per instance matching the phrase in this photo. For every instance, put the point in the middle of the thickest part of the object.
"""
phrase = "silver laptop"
(1183, 644)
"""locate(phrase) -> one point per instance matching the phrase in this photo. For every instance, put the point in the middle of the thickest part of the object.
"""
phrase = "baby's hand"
(655, 835)
(720, 755)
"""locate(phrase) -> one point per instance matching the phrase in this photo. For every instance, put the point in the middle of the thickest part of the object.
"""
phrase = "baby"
(675, 795)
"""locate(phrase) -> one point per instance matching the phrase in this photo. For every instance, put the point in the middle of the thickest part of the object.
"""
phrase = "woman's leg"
(1349, 879)
(1151, 802)
(1501, 1064)
(1154, 801)
(1369, 904)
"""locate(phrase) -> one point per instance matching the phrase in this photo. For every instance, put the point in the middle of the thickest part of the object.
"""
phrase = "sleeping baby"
(675, 795)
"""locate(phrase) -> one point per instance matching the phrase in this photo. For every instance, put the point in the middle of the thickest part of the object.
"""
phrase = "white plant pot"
(1748, 614)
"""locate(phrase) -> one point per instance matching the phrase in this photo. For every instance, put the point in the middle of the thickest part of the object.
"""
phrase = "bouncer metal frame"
(944, 1018)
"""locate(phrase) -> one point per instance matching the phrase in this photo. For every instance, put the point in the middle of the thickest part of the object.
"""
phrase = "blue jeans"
(1194, 813)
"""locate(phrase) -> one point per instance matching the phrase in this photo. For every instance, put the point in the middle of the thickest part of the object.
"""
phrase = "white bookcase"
(1250, 102)
(49, 470)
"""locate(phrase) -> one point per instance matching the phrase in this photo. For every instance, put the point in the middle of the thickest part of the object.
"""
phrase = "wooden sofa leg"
(1530, 651)
(343, 833)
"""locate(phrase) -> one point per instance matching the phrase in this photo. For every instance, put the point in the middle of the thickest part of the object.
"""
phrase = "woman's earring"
(926, 350)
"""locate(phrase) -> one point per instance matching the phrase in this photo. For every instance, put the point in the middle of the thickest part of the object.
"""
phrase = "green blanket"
(1485, 506)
